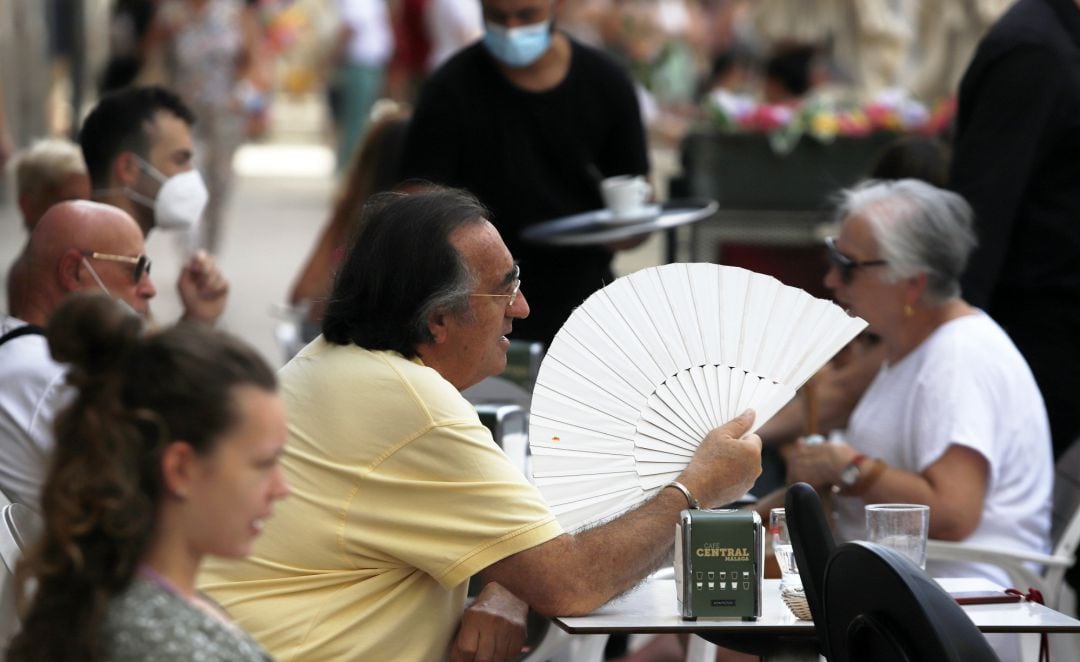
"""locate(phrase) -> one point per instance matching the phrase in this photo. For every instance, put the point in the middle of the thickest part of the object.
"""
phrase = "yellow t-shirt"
(399, 495)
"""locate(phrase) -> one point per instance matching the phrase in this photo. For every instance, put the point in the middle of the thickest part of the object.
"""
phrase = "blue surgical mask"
(518, 47)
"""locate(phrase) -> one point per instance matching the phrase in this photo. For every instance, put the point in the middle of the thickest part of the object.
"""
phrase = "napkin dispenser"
(718, 564)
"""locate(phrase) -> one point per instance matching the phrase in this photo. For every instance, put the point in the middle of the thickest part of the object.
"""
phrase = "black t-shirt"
(1017, 157)
(531, 157)
(1017, 161)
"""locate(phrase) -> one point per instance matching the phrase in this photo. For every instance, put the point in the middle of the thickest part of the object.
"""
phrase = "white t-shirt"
(32, 391)
(451, 25)
(966, 384)
(372, 40)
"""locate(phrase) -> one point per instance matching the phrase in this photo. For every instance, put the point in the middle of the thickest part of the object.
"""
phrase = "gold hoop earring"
(908, 310)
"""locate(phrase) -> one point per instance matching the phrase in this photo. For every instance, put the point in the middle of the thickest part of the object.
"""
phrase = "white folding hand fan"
(648, 365)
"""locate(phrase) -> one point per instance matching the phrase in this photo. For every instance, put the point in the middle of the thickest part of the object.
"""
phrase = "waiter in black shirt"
(530, 121)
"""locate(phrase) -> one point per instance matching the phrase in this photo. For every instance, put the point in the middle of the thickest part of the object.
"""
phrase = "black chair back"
(880, 606)
(812, 542)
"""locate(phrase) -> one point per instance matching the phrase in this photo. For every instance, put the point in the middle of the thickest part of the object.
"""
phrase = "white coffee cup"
(625, 195)
(901, 526)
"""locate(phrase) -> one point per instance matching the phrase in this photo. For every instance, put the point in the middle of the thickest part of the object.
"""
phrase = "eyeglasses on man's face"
(140, 264)
(845, 265)
(513, 294)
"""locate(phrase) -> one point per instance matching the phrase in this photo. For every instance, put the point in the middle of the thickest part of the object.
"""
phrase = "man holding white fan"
(399, 493)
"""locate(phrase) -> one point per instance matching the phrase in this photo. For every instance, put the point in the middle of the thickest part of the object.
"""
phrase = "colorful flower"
(824, 118)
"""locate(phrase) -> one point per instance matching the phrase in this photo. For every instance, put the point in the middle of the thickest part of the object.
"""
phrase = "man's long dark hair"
(400, 268)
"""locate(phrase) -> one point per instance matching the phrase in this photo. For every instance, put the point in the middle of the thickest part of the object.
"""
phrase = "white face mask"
(180, 201)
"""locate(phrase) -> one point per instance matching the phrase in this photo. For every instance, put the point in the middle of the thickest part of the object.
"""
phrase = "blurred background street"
(284, 188)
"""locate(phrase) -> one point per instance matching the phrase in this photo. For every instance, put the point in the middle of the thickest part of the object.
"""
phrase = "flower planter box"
(771, 205)
(743, 172)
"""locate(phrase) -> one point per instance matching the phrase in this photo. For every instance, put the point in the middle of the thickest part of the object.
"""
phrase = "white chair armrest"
(945, 550)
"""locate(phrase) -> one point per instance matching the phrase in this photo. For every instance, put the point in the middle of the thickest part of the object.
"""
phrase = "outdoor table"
(778, 634)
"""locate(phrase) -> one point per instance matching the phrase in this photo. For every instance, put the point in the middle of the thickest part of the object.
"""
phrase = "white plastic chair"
(509, 425)
(289, 329)
(1065, 536)
(509, 428)
(502, 404)
(19, 527)
(699, 650)
(523, 362)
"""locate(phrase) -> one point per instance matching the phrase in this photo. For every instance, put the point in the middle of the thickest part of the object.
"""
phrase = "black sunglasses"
(141, 263)
(846, 265)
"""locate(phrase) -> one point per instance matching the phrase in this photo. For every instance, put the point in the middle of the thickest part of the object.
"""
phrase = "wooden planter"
(771, 205)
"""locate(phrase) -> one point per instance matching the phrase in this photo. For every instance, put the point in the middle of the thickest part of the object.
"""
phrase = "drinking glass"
(900, 526)
(785, 555)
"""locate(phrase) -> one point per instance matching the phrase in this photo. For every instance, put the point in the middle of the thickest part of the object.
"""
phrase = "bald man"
(77, 246)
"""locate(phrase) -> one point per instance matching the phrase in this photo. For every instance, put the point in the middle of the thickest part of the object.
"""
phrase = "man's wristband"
(690, 500)
(872, 474)
(866, 477)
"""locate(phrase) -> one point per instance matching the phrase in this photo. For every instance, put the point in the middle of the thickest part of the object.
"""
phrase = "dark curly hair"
(400, 268)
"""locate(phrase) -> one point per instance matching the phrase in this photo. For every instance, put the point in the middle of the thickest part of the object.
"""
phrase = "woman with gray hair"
(954, 418)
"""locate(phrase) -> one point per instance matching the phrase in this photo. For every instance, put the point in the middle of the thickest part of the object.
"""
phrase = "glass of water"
(901, 526)
(785, 555)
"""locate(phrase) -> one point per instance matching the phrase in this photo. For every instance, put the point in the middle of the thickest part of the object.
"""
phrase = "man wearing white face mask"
(77, 246)
(139, 151)
(530, 120)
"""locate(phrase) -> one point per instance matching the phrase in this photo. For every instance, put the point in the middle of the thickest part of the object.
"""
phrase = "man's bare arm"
(492, 627)
(575, 574)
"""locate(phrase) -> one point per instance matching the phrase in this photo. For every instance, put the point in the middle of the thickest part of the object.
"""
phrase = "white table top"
(653, 607)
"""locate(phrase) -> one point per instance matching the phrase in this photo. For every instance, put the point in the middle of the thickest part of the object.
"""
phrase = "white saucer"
(645, 213)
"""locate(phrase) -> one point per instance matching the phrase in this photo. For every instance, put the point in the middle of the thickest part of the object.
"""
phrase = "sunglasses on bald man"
(140, 264)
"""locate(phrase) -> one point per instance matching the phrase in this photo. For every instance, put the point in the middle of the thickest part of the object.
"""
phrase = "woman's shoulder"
(975, 350)
(975, 334)
(146, 621)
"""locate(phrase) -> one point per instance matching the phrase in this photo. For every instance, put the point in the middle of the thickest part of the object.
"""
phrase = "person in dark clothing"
(128, 28)
(914, 157)
(1017, 161)
(789, 74)
(530, 121)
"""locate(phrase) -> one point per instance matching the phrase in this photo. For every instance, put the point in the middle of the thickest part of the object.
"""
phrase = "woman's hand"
(818, 464)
